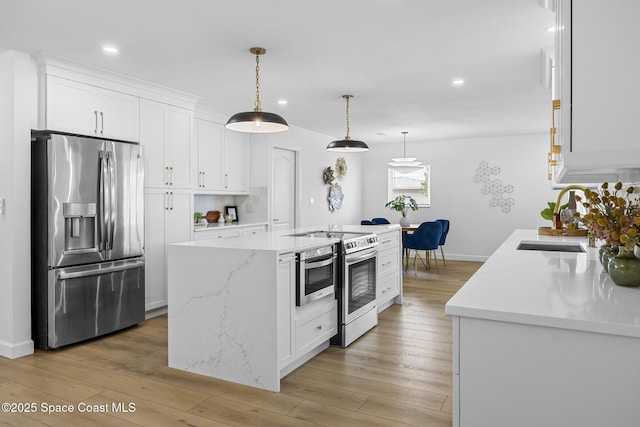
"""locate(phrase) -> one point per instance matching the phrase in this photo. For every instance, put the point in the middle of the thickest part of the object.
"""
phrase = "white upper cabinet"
(75, 107)
(166, 132)
(236, 157)
(210, 141)
(597, 64)
(223, 159)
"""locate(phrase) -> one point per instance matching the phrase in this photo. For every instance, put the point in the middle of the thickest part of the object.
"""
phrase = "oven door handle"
(360, 256)
(308, 265)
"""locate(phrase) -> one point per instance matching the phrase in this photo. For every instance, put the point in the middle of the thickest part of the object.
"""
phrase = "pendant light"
(347, 145)
(405, 164)
(257, 121)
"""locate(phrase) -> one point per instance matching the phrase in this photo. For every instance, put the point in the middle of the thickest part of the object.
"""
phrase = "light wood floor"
(398, 374)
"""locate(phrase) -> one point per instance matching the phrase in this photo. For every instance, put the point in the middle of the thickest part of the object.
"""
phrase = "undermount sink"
(536, 245)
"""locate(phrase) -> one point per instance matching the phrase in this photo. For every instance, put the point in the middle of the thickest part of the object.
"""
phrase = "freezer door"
(124, 203)
(89, 301)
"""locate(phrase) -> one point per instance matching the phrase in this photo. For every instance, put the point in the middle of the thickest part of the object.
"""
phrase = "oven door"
(359, 284)
(316, 278)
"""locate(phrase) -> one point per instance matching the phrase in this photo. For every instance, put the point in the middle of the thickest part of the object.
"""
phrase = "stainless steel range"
(357, 310)
(356, 283)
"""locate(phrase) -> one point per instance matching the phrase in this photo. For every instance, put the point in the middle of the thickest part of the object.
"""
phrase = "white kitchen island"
(545, 339)
(232, 312)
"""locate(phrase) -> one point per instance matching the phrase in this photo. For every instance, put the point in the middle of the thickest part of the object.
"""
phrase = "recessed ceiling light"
(457, 82)
(110, 50)
(282, 101)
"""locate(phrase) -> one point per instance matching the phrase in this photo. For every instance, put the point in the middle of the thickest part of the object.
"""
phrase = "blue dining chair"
(426, 238)
(445, 229)
(377, 221)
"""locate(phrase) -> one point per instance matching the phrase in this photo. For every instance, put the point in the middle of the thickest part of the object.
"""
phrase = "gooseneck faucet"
(556, 209)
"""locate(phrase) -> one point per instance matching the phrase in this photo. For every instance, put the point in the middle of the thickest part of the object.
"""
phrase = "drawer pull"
(319, 327)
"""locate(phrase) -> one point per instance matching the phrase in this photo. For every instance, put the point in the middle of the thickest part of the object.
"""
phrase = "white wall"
(313, 158)
(477, 229)
(18, 85)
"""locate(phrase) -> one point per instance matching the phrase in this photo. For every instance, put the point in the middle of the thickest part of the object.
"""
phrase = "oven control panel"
(315, 253)
(359, 243)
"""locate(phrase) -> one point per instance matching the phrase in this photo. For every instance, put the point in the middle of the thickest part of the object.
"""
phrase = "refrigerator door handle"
(103, 207)
(96, 271)
(112, 199)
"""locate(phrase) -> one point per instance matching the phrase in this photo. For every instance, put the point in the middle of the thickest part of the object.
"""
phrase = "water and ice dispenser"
(79, 227)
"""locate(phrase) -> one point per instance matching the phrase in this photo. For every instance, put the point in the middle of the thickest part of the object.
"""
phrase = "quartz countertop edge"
(555, 289)
(281, 241)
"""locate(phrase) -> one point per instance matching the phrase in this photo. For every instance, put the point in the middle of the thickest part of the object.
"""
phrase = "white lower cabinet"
(302, 331)
(316, 326)
(387, 288)
(285, 301)
(389, 271)
(167, 220)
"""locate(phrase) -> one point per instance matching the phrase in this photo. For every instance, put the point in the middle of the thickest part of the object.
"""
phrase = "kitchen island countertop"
(542, 337)
(556, 289)
(282, 241)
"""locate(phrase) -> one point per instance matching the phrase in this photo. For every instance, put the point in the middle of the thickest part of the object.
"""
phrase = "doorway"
(284, 189)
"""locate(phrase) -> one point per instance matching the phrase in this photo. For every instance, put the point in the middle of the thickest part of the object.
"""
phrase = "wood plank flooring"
(398, 374)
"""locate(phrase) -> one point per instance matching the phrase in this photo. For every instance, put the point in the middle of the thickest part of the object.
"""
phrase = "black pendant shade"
(257, 122)
(347, 145)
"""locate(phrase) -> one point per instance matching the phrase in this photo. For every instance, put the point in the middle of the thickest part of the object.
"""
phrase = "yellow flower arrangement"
(612, 216)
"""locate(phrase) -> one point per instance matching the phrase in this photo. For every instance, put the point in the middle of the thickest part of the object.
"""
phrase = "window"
(414, 184)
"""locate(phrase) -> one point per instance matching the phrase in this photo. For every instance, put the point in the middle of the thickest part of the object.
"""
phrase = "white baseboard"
(13, 351)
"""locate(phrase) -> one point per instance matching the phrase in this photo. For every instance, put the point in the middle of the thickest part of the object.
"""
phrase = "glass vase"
(624, 268)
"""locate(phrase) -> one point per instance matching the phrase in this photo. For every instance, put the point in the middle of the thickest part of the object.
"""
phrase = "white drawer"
(388, 241)
(217, 234)
(254, 229)
(313, 331)
(387, 287)
(388, 261)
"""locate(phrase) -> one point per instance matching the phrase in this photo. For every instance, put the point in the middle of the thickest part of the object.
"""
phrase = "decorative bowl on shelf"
(212, 216)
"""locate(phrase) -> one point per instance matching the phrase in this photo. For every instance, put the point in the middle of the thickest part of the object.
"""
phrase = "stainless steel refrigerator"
(87, 225)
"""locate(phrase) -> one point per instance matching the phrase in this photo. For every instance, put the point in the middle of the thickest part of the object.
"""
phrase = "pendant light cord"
(347, 98)
(404, 144)
(257, 104)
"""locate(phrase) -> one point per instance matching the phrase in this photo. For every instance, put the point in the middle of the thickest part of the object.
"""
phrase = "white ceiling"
(397, 57)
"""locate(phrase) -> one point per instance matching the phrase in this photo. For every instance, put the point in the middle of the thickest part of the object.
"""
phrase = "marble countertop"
(281, 241)
(556, 289)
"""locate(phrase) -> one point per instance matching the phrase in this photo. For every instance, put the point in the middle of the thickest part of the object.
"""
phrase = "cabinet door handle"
(166, 175)
(95, 114)
(226, 180)
(101, 123)
(171, 195)
(166, 201)
(319, 327)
